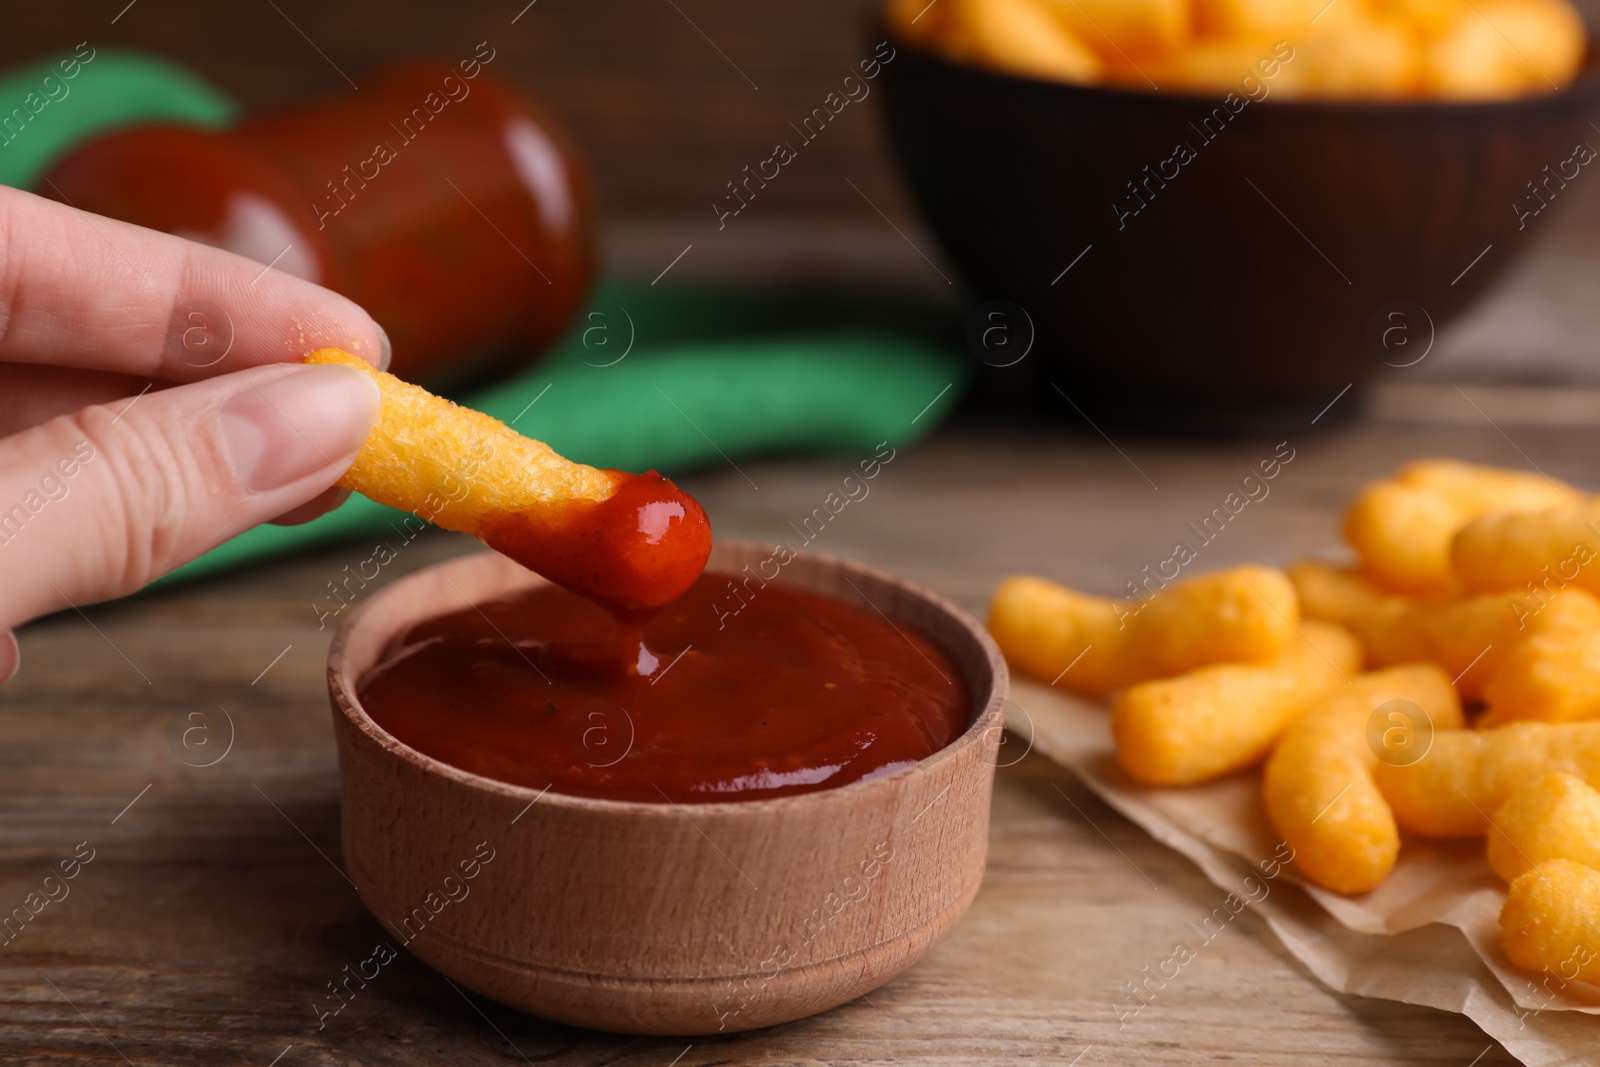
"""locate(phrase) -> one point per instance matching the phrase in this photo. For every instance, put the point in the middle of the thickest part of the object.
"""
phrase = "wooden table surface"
(214, 911)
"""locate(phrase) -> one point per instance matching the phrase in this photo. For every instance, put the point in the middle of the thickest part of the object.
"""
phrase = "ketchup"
(638, 549)
(792, 692)
(456, 212)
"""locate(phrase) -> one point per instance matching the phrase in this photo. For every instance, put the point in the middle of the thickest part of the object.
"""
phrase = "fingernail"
(385, 349)
(10, 656)
(302, 421)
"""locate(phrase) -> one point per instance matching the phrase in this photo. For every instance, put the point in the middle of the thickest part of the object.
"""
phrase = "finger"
(316, 507)
(81, 290)
(95, 505)
(32, 394)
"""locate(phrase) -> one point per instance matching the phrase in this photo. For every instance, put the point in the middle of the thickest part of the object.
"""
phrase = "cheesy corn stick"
(1468, 637)
(1341, 595)
(1550, 548)
(1549, 677)
(631, 541)
(1318, 785)
(1055, 633)
(1197, 726)
(1551, 920)
(1402, 526)
(1556, 818)
(1244, 615)
(1468, 774)
(1020, 36)
(1553, 673)
(1136, 27)
(424, 443)
(1512, 48)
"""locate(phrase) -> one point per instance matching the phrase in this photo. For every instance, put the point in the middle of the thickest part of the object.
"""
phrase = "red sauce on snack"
(639, 549)
(796, 692)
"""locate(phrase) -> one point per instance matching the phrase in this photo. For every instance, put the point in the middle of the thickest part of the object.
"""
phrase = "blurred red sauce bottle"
(455, 211)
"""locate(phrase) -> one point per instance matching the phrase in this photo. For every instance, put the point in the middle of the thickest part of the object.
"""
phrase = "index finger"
(82, 290)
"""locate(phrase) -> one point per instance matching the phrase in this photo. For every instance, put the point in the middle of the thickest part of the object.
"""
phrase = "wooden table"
(214, 910)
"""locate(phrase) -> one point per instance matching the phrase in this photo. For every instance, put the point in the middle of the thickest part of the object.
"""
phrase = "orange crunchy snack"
(1246, 49)
(1553, 673)
(1530, 551)
(1526, 663)
(1318, 787)
(473, 463)
(1551, 920)
(579, 526)
(1340, 594)
(1473, 583)
(1470, 773)
(1401, 527)
(1243, 615)
(1214, 720)
(1555, 818)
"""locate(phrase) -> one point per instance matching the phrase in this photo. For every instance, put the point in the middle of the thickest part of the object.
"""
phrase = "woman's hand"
(151, 406)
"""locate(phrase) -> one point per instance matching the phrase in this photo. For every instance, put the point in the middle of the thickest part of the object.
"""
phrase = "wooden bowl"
(1305, 245)
(660, 918)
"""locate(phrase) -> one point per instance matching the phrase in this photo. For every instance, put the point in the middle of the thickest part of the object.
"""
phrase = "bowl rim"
(986, 718)
(1584, 85)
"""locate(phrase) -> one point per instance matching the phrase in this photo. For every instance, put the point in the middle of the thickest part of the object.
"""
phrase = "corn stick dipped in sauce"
(630, 542)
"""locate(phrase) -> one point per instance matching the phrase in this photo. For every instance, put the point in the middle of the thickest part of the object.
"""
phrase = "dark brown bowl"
(1305, 245)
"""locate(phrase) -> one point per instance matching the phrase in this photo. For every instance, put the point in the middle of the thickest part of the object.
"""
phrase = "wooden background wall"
(669, 97)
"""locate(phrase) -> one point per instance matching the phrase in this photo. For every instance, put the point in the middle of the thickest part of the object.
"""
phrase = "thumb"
(97, 504)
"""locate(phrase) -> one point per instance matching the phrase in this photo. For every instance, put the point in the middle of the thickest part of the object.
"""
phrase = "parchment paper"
(1429, 935)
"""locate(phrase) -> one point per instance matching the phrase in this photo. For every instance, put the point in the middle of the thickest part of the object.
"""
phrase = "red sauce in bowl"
(795, 692)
